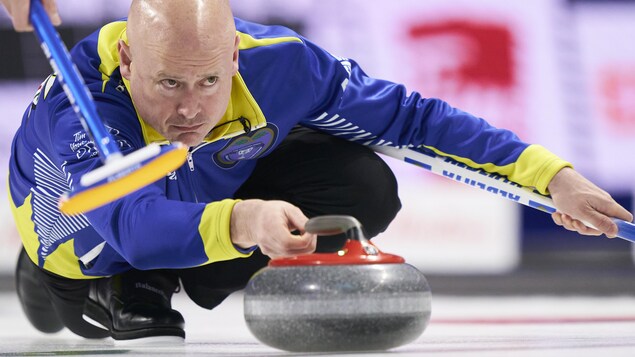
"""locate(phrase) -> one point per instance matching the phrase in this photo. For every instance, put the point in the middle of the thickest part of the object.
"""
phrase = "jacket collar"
(241, 104)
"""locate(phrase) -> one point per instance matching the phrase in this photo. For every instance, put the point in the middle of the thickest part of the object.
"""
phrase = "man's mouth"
(187, 128)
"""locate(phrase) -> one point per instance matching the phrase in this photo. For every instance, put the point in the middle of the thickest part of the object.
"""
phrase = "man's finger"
(617, 211)
(51, 8)
(602, 223)
(299, 243)
(583, 229)
(296, 219)
(20, 16)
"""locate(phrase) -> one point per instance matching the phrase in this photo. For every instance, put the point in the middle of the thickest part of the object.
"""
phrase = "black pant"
(320, 174)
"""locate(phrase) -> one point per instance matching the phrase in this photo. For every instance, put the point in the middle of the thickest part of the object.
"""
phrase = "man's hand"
(577, 199)
(269, 224)
(19, 12)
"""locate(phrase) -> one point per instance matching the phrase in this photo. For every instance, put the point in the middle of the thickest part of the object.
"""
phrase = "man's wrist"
(559, 179)
(236, 235)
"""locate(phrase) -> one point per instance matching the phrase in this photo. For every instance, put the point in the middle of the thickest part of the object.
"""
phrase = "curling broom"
(119, 175)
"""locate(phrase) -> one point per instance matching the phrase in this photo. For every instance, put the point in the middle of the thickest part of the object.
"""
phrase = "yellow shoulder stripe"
(247, 41)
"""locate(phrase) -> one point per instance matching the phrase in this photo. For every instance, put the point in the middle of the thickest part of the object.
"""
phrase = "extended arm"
(376, 112)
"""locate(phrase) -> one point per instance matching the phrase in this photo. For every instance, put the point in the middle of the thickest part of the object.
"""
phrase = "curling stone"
(357, 299)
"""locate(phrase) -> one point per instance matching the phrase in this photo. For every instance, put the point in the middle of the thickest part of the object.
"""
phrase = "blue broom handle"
(73, 83)
(487, 181)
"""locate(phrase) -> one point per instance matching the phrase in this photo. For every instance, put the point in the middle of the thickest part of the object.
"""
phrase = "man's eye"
(210, 81)
(169, 83)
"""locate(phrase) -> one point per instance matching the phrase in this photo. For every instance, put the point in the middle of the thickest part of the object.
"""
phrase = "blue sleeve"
(371, 111)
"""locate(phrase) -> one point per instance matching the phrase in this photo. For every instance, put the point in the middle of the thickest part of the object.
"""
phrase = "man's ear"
(125, 59)
(235, 58)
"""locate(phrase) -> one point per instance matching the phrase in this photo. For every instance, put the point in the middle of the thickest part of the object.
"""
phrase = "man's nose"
(190, 105)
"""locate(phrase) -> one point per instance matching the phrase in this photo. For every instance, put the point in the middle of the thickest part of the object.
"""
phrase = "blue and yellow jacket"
(183, 220)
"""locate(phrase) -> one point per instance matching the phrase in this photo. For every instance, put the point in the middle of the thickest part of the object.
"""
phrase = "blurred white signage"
(556, 74)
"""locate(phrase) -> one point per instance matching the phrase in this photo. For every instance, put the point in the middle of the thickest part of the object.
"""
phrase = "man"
(235, 93)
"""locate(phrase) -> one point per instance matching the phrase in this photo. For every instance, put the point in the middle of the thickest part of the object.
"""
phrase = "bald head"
(180, 59)
(180, 25)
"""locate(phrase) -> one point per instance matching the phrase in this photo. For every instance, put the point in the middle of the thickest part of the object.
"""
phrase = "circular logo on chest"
(247, 146)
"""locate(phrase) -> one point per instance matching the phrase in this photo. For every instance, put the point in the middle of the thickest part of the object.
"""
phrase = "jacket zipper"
(190, 164)
(190, 160)
(190, 152)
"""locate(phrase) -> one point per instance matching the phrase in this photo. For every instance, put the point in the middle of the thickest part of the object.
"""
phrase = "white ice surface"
(460, 326)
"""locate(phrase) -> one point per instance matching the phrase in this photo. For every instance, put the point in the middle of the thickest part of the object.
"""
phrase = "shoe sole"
(155, 341)
(99, 315)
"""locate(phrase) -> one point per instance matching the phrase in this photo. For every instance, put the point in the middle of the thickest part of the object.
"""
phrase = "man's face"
(181, 92)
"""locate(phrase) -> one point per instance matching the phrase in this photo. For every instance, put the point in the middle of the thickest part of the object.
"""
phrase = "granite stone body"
(327, 308)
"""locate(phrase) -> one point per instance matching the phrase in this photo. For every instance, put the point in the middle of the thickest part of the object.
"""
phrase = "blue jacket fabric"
(183, 219)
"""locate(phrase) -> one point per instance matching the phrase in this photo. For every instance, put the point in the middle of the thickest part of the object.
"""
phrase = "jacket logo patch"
(248, 146)
(84, 147)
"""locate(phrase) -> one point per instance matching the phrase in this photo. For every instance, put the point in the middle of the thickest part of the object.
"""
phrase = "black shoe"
(135, 305)
(33, 297)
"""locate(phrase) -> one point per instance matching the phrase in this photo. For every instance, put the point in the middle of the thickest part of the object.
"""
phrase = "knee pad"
(34, 298)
